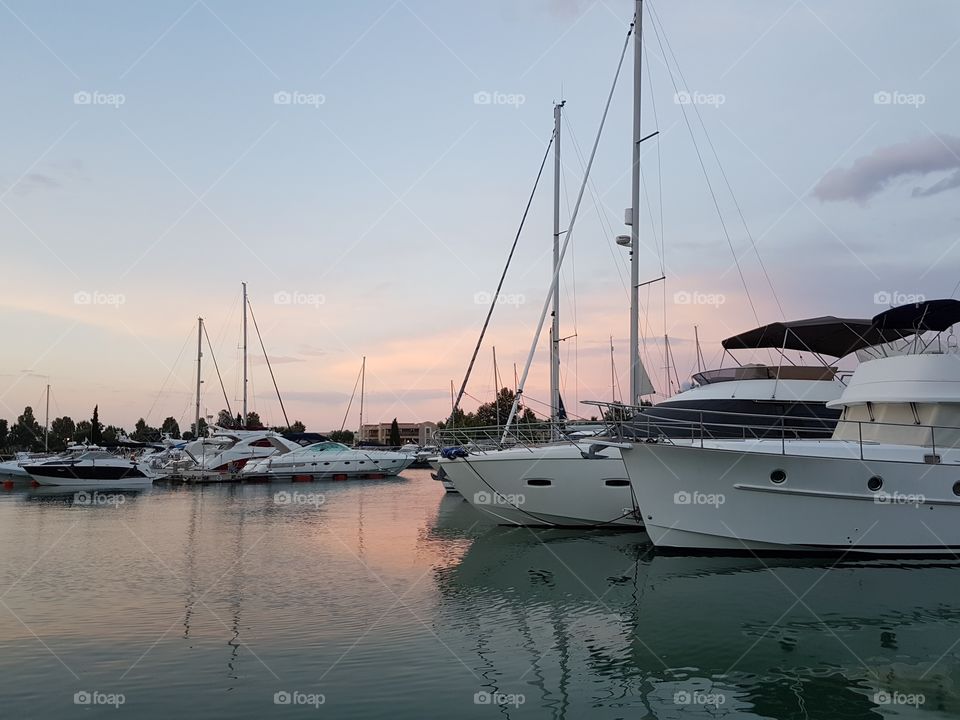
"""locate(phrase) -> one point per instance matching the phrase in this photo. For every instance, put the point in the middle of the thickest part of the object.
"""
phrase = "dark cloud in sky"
(870, 174)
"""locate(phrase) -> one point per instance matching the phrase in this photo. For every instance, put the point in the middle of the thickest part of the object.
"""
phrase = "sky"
(364, 167)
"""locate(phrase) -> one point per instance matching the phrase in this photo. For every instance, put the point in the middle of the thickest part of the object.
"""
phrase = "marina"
(552, 360)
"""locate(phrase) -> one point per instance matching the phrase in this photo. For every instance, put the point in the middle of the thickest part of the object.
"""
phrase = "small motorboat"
(327, 460)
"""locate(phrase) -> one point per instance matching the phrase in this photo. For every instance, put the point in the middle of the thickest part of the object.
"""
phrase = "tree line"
(27, 434)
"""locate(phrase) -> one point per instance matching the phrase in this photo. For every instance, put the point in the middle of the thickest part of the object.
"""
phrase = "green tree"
(144, 433)
(395, 433)
(62, 431)
(96, 427)
(616, 412)
(4, 434)
(82, 432)
(253, 420)
(226, 420)
(26, 433)
(298, 427)
(342, 436)
(193, 430)
(170, 427)
(112, 433)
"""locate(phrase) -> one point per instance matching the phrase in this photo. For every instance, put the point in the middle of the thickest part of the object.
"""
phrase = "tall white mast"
(363, 381)
(196, 426)
(636, 369)
(555, 325)
(243, 421)
(46, 423)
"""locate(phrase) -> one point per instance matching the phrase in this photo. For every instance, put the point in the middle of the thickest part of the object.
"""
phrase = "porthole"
(539, 482)
(778, 476)
(616, 483)
(362, 461)
(956, 488)
(875, 483)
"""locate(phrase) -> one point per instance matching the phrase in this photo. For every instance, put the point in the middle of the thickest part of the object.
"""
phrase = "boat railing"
(521, 435)
(635, 423)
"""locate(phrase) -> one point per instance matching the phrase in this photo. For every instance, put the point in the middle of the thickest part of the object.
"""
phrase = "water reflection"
(600, 623)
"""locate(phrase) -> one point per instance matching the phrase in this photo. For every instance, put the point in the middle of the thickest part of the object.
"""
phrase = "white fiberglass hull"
(354, 465)
(724, 497)
(549, 485)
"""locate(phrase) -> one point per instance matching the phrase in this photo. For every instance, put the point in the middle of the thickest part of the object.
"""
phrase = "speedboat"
(583, 482)
(327, 460)
(228, 451)
(94, 467)
(886, 482)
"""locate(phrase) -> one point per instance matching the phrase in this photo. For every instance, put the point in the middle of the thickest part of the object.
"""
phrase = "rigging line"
(350, 404)
(503, 276)
(706, 177)
(217, 368)
(169, 375)
(286, 420)
(723, 174)
(566, 239)
(605, 226)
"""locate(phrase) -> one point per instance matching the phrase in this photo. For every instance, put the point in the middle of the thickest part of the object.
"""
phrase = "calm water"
(390, 599)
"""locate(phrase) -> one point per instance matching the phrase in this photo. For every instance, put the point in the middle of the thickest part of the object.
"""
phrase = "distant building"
(416, 433)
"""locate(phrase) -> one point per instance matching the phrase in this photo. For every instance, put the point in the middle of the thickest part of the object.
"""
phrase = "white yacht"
(327, 460)
(585, 483)
(92, 468)
(887, 481)
(227, 451)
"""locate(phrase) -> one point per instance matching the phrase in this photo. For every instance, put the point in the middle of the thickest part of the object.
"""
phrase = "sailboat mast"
(244, 419)
(46, 423)
(636, 382)
(196, 426)
(555, 325)
(613, 375)
(363, 380)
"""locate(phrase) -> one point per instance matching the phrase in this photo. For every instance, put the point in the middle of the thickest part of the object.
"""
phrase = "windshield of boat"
(326, 446)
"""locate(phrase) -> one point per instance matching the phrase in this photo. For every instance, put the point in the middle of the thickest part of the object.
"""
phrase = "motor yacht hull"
(281, 469)
(805, 496)
(549, 485)
(90, 475)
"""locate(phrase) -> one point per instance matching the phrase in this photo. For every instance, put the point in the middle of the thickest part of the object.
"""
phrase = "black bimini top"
(827, 335)
(935, 315)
